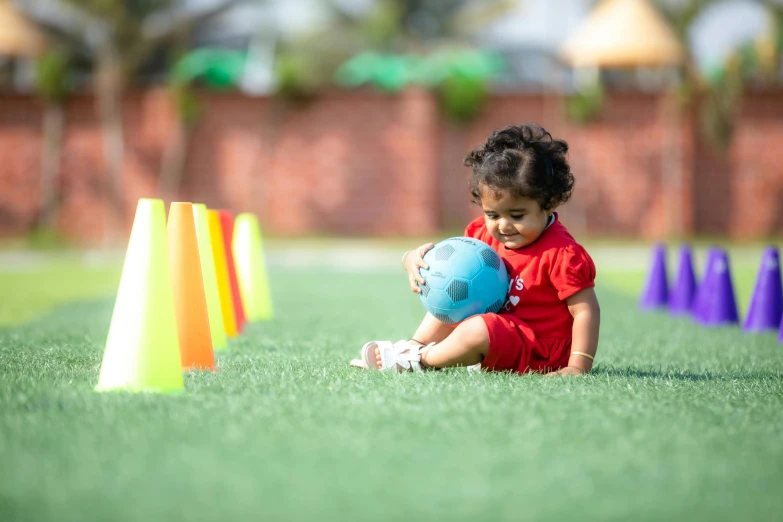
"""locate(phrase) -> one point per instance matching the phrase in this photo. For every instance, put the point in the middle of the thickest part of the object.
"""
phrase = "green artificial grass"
(29, 291)
(676, 422)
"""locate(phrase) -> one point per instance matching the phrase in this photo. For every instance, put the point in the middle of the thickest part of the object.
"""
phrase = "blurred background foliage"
(382, 44)
(444, 46)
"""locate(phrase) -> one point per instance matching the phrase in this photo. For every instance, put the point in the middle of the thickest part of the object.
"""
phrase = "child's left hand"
(568, 370)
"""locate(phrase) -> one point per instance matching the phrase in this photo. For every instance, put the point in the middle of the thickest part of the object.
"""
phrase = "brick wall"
(372, 164)
(20, 144)
(346, 165)
(755, 173)
(620, 162)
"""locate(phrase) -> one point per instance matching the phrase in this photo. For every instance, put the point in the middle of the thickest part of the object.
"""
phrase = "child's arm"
(584, 308)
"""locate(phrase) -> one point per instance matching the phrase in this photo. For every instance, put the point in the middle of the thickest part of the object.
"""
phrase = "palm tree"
(19, 38)
(721, 96)
(119, 35)
(52, 86)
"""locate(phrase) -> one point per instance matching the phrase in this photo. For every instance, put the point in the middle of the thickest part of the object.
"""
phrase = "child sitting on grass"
(550, 319)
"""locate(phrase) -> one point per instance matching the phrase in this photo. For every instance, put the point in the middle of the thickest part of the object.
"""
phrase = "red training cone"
(227, 225)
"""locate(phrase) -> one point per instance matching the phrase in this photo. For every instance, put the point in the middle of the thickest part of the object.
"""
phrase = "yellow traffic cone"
(251, 268)
(216, 327)
(221, 271)
(142, 348)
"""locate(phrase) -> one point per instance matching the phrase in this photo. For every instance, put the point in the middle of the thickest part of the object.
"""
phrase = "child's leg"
(465, 345)
(431, 331)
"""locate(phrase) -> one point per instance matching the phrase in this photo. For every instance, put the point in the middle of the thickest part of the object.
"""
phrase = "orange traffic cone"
(221, 271)
(227, 224)
(190, 303)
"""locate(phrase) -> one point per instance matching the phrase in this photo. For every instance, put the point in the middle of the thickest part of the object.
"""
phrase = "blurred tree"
(586, 104)
(175, 149)
(395, 25)
(52, 85)
(119, 43)
(716, 104)
(720, 91)
(770, 46)
(386, 26)
(120, 36)
(392, 34)
(23, 40)
(217, 68)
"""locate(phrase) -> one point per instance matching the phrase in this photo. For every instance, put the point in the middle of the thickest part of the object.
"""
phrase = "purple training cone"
(720, 307)
(656, 291)
(684, 290)
(704, 287)
(780, 335)
(766, 305)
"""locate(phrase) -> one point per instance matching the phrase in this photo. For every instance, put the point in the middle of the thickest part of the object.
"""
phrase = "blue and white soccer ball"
(465, 277)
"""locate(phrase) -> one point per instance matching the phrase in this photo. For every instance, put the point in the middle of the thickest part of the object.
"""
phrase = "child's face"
(513, 220)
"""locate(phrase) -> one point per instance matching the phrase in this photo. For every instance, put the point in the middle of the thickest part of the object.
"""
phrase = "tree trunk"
(672, 176)
(173, 163)
(50, 166)
(109, 90)
(270, 132)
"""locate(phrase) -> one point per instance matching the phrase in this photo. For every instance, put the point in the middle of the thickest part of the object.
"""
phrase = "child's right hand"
(414, 260)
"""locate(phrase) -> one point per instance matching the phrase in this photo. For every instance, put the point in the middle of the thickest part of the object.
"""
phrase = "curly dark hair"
(526, 160)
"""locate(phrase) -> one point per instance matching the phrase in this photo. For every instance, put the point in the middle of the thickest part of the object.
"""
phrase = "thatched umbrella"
(623, 33)
(19, 37)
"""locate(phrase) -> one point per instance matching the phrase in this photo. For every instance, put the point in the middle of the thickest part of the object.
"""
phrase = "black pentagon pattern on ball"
(457, 290)
(444, 252)
(494, 307)
(490, 258)
(444, 318)
(425, 288)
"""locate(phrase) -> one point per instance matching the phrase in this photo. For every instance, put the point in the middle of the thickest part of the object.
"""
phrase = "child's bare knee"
(474, 331)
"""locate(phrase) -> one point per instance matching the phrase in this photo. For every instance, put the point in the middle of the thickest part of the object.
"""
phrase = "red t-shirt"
(541, 276)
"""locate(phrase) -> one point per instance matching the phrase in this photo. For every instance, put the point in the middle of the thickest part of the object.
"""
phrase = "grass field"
(676, 422)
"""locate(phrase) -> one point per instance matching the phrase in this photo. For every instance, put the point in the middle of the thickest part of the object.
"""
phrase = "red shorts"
(514, 346)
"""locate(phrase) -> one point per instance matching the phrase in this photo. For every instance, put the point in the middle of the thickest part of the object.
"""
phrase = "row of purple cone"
(712, 302)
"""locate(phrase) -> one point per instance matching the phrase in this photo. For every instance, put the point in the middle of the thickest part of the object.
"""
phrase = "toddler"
(550, 320)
